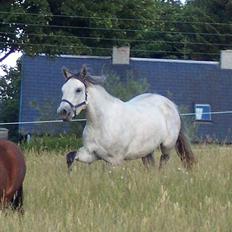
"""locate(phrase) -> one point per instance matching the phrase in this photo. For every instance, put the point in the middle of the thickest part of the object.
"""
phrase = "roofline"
(139, 59)
(174, 61)
(79, 56)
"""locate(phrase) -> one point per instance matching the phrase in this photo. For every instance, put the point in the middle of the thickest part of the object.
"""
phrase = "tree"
(163, 39)
(210, 24)
(74, 27)
(9, 98)
(127, 87)
(15, 25)
(198, 29)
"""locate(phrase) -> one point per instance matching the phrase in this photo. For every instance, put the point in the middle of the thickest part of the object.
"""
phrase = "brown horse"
(12, 173)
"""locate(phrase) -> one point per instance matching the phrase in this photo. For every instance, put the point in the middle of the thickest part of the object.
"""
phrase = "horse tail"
(183, 148)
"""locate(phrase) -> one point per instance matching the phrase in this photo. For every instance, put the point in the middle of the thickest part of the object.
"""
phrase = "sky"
(10, 61)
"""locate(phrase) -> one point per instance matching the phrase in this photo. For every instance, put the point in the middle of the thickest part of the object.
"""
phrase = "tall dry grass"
(126, 198)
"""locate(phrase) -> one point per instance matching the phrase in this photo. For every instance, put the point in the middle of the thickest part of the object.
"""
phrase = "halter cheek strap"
(85, 102)
(74, 107)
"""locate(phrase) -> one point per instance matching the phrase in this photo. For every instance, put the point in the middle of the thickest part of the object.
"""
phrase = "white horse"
(117, 131)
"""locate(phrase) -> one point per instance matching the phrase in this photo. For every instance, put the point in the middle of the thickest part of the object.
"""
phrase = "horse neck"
(99, 101)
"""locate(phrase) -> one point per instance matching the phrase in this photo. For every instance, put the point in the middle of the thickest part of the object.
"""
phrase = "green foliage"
(198, 29)
(211, 30)
(16, 32)
(9, 98)
(29, 25)
(77, 127)
(45, 111)
(59, 143)
(125, 87)
(160, 39)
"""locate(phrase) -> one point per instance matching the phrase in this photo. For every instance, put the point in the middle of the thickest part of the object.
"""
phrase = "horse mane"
(85, 76)
(96, 80)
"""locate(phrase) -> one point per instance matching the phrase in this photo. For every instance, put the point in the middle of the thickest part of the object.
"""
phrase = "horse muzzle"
(65, 113)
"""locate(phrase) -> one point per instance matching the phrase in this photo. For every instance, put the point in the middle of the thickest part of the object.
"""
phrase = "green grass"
(53, 144)
(126, 198)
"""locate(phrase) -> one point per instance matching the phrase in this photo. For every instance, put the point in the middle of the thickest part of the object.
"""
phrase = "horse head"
(74, 93)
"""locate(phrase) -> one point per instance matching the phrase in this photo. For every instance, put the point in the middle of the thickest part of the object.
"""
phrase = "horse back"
(12, 169)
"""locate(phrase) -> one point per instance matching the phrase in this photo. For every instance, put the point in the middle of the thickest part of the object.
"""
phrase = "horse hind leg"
(148, 160)
(165, 156)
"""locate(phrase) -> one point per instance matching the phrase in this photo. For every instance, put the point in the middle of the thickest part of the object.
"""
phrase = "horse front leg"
(82, 155)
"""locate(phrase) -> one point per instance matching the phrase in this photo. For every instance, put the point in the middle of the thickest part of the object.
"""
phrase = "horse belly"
(141, 148)
(136, 134)
(145, 138)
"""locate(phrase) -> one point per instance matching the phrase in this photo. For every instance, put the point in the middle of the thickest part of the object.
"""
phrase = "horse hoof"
(70, 157)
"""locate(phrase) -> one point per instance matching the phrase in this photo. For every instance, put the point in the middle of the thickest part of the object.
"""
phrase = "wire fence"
(118, 39)
(20, 30)
(183, 21)
(83, 119)
(113, 29)
(69, 47)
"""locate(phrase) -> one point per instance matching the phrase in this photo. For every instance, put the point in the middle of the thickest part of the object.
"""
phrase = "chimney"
(226, 59)
(121, 55)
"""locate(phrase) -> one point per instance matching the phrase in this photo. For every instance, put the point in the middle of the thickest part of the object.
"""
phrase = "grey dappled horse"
(117, 131)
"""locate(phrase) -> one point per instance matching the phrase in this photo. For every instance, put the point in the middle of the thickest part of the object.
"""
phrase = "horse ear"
(84, 72)
(66, 73)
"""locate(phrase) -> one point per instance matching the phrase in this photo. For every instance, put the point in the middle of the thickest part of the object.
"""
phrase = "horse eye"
(78, 90)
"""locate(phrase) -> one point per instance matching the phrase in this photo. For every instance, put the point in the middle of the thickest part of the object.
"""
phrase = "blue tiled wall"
(186, 83)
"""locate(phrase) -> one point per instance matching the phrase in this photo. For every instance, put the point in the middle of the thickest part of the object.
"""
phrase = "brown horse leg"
(164, 157)
(148, 160)
(17, 201)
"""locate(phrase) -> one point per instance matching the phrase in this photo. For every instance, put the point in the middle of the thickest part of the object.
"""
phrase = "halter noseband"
(85, 102)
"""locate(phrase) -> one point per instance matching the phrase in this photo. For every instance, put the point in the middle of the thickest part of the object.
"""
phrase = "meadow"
(102, 198)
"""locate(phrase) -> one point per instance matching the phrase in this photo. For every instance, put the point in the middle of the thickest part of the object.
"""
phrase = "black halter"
(85, 102)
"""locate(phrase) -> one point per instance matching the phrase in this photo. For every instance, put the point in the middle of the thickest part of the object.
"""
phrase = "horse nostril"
(64, 112)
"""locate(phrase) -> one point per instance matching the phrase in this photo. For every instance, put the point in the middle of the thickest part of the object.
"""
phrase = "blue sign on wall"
(203, 112)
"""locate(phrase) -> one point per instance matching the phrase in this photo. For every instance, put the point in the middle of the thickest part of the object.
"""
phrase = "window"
(202, 112)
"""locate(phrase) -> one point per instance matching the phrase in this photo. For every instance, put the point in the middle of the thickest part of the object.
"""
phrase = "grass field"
(126, 198)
